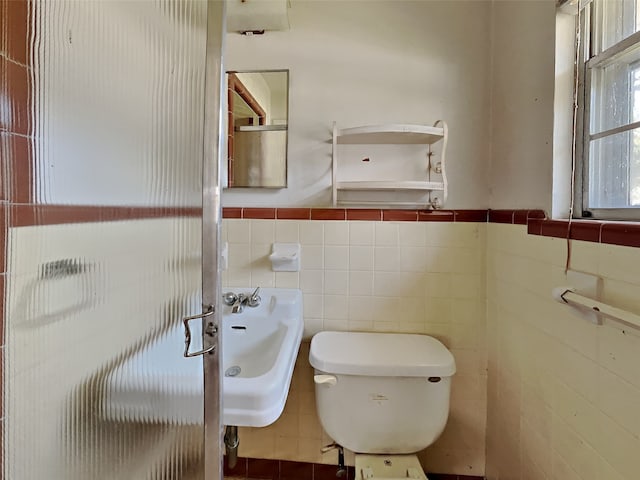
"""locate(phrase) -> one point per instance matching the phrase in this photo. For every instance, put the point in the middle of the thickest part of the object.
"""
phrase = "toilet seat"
(388, 467)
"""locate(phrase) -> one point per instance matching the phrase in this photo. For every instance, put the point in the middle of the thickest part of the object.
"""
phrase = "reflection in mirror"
(258, 119)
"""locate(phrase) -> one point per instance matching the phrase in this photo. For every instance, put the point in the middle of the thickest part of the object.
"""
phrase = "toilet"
(385, 396)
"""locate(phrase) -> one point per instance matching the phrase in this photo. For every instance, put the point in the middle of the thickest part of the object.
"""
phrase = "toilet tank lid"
(380, 354)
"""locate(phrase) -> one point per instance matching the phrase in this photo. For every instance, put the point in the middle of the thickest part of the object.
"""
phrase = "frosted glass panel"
(118, 86)
(616, 20)
(104, 259)
(616, 93)
(614, 174)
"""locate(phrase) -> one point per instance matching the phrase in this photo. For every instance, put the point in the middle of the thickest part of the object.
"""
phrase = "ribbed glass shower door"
(113, 119)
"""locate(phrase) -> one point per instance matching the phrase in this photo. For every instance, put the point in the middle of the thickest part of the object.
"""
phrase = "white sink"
(259, 350)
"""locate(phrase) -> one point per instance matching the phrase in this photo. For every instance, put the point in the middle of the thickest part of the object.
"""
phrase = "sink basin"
(259, 350)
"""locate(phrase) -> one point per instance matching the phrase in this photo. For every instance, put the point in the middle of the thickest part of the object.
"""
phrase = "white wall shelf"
(429, 192)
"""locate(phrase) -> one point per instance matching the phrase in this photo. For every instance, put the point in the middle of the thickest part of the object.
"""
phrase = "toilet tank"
(381, 392)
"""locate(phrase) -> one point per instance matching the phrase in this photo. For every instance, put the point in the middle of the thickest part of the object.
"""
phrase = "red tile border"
(240, 469)
(28, 215)
(259, 213)
(620, 234)
(501, 216)
(259, 468)
(436, 216)
(3, 297)
(15, 42)
(479, 216)
(400, 215)
(18, 168)
(4, 223)
(534, 227)
(364, 214)
(17, 95)
(231, 212)
(2, 352)
(586, 231)
(328, 214)
(295, 470)
(536, 214)
(555, 228)
(293, 213)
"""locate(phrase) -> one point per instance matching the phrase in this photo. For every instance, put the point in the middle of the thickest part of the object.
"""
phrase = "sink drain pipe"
(231, 442)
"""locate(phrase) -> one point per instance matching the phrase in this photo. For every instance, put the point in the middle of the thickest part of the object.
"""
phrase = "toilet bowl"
(385, 396)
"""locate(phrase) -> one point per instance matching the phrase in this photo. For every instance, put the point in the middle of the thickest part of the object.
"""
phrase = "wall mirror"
(258, 120)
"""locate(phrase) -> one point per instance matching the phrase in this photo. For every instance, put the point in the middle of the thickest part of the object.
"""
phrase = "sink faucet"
(239, 301)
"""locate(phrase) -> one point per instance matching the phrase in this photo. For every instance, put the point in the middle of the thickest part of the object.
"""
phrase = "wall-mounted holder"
(582, 295)
(285, 257)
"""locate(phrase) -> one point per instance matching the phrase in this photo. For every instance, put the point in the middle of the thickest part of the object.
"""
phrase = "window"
(610, 110)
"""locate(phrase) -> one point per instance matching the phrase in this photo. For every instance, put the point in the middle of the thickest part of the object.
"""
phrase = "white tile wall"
(563, 394)
(376, 276)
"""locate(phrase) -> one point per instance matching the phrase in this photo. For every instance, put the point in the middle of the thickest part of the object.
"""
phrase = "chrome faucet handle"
(254, 299)
(229, 298)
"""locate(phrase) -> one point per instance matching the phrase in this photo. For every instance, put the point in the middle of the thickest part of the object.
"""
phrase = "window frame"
(587, 63)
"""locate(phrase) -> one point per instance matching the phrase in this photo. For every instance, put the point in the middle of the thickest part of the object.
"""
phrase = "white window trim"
(583, 136)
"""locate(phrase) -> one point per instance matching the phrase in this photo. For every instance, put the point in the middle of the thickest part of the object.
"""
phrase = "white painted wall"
(522, 96)
(362, 63)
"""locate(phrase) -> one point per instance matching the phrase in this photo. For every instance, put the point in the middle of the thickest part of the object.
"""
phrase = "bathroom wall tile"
(386, 259)
(386, 234)
(312, 326)
(336, 282)
(360, 283)
(287, 232)
(239, 256)
(312, 281)
(438, 285)
(412, 234)
(238, 231)
(619, 400)
(336, 257)
(313, 306)
(413, 259)
(361, 233)
(263, 278)
(287, 279)
(336, 233)
(263, 231)
(388, 284)
(238, 277)
(336, 307)
(311, 233)
(312, 257)
(361, 257)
